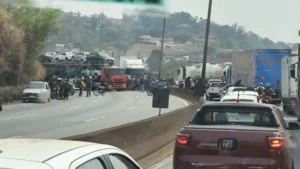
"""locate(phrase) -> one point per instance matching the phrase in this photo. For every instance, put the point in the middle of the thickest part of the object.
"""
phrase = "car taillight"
(292, 101)
(267, 96)
(211, 89)
(182, 138)
(276, 142)
(261, 95)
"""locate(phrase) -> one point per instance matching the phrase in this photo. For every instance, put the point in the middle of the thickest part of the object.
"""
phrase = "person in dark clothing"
(142, 84)
(268, 90)
(88, 85)
(66, 88)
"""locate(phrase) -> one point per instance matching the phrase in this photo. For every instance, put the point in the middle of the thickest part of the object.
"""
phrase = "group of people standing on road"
(86, 84)
(137, 83)
(60, 85)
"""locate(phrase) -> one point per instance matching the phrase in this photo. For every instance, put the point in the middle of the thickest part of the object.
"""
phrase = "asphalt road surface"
(168, 162)
(78, 115)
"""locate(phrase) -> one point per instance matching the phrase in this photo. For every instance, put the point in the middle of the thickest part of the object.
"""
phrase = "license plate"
(227, 144)
(31, 96)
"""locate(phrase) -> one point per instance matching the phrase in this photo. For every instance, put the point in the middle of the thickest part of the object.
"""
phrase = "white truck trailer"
(289, 84)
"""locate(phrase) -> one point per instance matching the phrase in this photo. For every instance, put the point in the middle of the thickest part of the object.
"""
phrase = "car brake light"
(292, 101)
(276, 142)
(261, 95)
(237, 99)
(267, 96)
(182, 138)
(211, 89)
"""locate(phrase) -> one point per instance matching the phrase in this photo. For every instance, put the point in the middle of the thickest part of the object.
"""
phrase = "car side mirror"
(293, 126)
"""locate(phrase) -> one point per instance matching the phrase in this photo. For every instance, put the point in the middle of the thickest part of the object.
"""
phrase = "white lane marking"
(19, 117)
(162, 163)
(140, 101)
(94, 100)
(14, 137)
(186, 103)
(73, 107)
(130, 108)
(101, 117)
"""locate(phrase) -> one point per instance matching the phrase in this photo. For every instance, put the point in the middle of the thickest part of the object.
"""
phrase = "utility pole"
(202, 86)
(298, 70)
(161, 54)
(101, 29)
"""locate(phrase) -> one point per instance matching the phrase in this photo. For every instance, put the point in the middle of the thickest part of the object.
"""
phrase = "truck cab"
(114, 77)
(289, 83)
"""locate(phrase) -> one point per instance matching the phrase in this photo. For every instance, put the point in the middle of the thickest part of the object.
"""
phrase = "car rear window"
(235, 115)
(241, 100)
(217, 84)
(244, 89)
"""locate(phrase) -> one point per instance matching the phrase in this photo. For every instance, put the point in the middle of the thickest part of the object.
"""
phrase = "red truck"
(235, 136)
(115, 78)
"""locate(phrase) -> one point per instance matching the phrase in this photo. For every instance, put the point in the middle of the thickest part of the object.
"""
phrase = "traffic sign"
(134, 2)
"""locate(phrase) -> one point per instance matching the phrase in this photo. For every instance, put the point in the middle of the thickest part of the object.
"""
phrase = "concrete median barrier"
(143, 138)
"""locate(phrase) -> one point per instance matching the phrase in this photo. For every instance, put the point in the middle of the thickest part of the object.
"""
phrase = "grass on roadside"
(10, 94)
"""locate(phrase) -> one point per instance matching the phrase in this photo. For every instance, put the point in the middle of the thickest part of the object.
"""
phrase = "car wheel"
(210, 98)
(24, 101)
(49, 99)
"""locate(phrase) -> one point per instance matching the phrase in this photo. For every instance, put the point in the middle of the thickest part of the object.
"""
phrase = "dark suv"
(100, 57)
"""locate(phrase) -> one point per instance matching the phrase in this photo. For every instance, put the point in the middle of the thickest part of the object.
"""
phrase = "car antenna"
(238, 97)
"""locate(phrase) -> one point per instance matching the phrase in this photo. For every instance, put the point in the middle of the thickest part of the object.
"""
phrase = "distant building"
(147, 39)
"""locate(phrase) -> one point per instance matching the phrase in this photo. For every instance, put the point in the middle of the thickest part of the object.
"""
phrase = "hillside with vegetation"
(84, 32)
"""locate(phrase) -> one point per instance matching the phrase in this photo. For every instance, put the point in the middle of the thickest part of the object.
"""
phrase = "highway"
(168, 162)
(78, 115)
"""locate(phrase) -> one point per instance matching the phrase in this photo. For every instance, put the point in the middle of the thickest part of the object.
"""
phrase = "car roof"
(245, 92)
(38, 150)
(242, 96)
(239, 104)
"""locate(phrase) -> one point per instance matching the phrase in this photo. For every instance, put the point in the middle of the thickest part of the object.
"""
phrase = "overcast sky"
(275, 19)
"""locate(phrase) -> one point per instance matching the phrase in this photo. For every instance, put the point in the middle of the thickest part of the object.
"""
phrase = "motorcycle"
(149, 92)
(53, 92)
(72, 89)
(267, 99)
(99, 90)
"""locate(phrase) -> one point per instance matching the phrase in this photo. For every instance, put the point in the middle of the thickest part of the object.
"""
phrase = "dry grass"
(10, 94)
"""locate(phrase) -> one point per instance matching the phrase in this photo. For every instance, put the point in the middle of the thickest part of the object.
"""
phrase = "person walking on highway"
(81, 86)
(142, 84)
(89, 86)
(66, 88)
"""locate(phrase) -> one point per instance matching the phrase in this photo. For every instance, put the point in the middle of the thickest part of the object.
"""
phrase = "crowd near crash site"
(83, 89)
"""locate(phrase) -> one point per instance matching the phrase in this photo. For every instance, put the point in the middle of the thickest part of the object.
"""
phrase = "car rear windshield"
(235, 115)
(217, 84)
(244, 89)
(241, 100)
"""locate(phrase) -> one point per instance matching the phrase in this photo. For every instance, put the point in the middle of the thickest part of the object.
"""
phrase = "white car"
(229, 90)
(81, 57)
(214, 90)
(37, 91)
(62, 154)
(240, 98)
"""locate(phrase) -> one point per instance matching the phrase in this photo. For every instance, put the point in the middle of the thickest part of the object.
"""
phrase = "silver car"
(37, 91)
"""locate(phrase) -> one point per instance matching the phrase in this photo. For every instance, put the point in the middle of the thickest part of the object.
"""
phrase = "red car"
(235, 136)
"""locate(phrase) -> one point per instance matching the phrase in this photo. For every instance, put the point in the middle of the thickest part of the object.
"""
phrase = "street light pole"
(101, 29)
(161, 54)
(202, 86)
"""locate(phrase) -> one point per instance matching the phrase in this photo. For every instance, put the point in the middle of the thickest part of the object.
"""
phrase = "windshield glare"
(36, 86)
(115, 71)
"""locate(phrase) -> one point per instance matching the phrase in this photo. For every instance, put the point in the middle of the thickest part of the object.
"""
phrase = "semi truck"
(289, 84)
(259, 65)
(114, 77)
(133, 66)
(213, 71)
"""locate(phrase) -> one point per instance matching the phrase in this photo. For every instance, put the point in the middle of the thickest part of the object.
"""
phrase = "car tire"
(24, 101)
(210, 98)
(49, 99)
